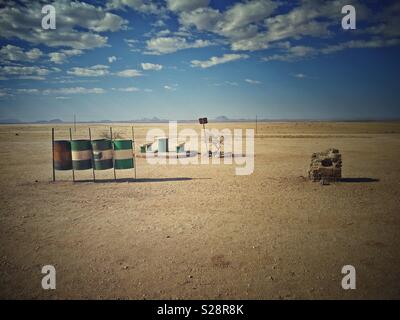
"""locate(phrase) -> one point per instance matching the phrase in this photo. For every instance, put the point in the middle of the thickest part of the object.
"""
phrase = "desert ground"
(200, 231)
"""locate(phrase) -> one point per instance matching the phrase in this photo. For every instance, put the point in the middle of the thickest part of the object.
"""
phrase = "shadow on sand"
(359, 180)
(123, 180)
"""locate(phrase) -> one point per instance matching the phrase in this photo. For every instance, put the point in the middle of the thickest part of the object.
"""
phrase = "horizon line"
(59, 121)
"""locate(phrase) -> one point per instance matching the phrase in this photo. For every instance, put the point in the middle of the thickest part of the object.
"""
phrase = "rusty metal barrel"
(81, 154)
(102, 154)
(62, 155)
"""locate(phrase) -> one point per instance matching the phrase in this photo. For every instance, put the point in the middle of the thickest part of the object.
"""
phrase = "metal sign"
(203, 120)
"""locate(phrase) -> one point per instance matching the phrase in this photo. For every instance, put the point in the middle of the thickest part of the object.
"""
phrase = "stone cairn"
(326, 166)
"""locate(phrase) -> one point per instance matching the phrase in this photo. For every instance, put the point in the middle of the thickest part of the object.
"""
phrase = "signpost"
(91, 149)
(203, 121)
(52, 148)
(73, 170)
(134, 149)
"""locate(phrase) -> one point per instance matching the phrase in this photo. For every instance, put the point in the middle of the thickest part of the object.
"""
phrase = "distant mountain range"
(50, 121)
(158, 120)
(221, 119)
(142, 120)
(16, 121)
(8, 121)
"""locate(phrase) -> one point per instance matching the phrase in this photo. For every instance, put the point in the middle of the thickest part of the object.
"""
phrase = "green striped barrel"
(62, 155)
(102, 154)
(123, 154)
(81, 154)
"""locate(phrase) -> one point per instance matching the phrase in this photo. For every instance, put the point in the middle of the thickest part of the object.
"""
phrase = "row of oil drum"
(99, 154)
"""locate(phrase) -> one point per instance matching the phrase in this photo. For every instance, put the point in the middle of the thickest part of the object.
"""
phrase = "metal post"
(70, 139)
(90, 137)
(74, 122)
(52, 148)
(205, 140)
(112, 144)
(256, 125)
(134, 150)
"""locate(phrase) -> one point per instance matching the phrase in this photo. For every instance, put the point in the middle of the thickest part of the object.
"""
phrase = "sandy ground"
(200, 231)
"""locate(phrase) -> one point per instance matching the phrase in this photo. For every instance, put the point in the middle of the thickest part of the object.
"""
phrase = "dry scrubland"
(199, 231)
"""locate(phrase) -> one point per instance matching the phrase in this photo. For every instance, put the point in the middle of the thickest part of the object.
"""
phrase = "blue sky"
(181, 59)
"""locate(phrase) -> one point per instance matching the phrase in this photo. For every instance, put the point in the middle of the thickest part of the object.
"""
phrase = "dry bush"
(116, 135)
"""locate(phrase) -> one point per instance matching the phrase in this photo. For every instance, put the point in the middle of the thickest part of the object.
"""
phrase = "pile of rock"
(326, 166)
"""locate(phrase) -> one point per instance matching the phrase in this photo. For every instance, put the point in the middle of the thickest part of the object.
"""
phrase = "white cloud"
(151, 66)
(31, 78)
(14, 53)
(102, 70)
(63, 55)
(250, 25)
(60, 91)
(94, 71)
(74, 90)
(252, 81)
(24, 72)
(131, 42)
(27, 91)
(5, 92)
(213, 61)
(228, 83)
(257, 42)
(34, 54)
(204, 19)
(312, 18)
(239, 22)
(292, 53)
(72, 79)
(164, 45)
(77, 24)
(244, 14)
(112, 59)
(172, 87)
(186, 5)
(354, 44)
(129, 73)
(158, 24)
(164, 32)
(386, 22)
(144, 6)
(128, 89)
(300, 76)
